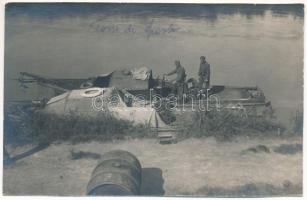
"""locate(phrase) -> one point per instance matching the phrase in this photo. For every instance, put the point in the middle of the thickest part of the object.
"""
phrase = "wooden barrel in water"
(118, 173)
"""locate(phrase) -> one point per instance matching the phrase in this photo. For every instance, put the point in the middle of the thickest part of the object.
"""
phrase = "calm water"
(246, 46)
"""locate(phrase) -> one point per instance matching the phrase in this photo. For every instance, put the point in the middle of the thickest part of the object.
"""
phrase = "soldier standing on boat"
(204, 73)
(180, 78)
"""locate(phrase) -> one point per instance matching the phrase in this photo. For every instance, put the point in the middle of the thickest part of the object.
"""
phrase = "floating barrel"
(118, 173)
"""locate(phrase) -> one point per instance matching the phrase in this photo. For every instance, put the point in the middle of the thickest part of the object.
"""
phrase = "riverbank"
(205, 167)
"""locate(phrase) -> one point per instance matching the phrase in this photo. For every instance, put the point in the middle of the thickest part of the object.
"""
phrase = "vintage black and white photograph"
(153, 99)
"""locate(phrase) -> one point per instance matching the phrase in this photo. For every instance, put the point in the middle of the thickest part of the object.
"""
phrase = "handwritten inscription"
(149, 29)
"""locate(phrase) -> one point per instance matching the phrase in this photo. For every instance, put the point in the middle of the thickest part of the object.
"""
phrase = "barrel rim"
(109, 183)
(135, 189)
(121, 152)
(112, 160)
(137, 181)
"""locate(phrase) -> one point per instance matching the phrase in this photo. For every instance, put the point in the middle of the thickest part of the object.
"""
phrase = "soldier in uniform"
(204, 73)
(180, 78)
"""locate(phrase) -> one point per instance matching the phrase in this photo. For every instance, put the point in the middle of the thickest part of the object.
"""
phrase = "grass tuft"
(45, 128)
(226, 124)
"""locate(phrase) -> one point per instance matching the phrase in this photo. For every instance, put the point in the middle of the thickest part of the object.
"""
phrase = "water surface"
(246, 45)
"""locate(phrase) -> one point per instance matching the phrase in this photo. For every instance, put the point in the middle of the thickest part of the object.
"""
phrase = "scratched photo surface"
(245, 44)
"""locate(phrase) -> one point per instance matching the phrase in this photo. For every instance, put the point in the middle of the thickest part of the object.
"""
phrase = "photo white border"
(2, 19)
